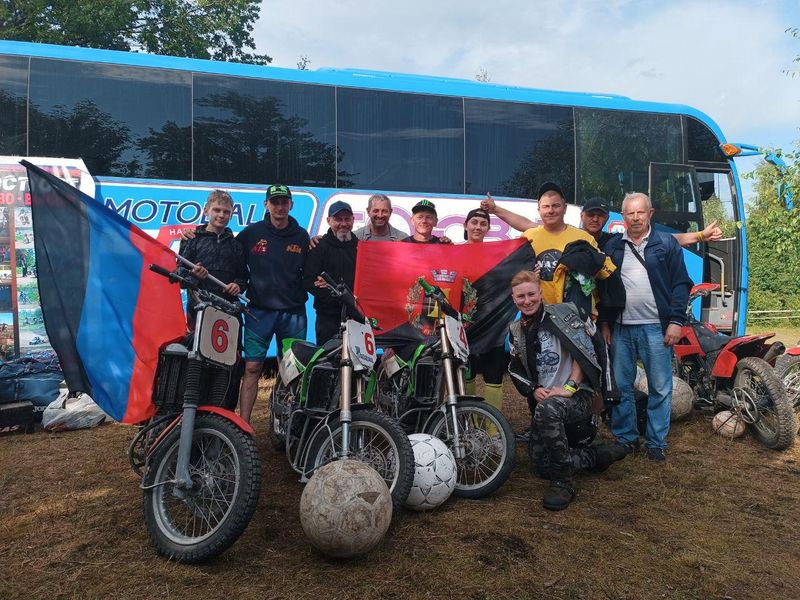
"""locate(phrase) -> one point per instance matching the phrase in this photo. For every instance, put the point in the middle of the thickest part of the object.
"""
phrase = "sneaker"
(524, 436)
(657, 455)
(559, 495)
(605, 456)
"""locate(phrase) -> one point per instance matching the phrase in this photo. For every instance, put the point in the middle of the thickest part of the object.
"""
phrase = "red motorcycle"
(735, 373)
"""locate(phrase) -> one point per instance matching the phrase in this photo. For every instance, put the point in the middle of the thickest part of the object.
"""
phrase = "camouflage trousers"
(548, 446)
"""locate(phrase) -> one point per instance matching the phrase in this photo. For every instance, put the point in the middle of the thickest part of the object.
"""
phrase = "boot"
(493, 394)
(469, 386)
(605, 456)
(559, 495)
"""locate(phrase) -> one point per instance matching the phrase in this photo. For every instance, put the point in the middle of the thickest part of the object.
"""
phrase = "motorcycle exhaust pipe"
(775, 350)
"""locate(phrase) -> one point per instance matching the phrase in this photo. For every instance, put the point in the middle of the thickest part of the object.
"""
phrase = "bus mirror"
(784, 192)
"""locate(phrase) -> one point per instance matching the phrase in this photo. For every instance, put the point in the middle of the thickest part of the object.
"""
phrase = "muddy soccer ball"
(434, 472)
(728, 424)
(345, 509)
(683, 398)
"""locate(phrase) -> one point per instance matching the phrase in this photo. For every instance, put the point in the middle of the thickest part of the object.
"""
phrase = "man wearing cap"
(335, 254)
(378, 228)
(594, 216)
(275, 250)
(549, 240)
(424, 219)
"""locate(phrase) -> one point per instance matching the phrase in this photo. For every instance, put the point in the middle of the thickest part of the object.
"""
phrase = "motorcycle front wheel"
(764, 405)
(375, 440)
(488, 439)
(225, 469)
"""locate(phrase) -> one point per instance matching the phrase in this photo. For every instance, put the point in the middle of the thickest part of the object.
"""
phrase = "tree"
(211, 29)
(773, 241)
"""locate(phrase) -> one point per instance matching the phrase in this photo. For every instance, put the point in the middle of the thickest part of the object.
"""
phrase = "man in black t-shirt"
(424, 219)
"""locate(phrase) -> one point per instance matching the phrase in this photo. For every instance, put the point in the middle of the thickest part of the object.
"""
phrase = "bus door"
(685, 199)
(717, 194)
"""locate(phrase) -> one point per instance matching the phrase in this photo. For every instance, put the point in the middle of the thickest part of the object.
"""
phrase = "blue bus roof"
(358, 78)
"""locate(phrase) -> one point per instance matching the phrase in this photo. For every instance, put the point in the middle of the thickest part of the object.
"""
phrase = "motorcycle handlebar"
(437, 294)
(345, 294)
(205, 295)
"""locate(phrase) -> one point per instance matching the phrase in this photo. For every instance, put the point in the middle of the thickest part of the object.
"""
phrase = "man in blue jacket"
(656, 286)
(275, 249)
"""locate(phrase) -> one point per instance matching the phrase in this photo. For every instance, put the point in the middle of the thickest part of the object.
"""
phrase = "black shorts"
(491, 364)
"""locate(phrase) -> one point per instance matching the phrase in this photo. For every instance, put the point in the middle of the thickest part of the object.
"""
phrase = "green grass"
(788, 334)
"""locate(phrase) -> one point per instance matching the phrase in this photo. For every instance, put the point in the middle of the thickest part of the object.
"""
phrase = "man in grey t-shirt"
(377, 229)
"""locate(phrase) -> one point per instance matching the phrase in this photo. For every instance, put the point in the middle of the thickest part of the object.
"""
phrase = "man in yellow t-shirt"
(548, 240)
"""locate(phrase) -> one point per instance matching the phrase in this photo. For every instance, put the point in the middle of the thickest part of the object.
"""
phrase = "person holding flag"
(215, 252)
(491, 363)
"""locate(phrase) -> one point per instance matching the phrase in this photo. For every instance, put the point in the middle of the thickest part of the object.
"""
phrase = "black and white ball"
(434, 472)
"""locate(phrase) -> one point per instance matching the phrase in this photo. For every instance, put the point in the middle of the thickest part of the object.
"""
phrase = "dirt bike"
(422, 386)
(321, 409)
(200, 467)
(734, 373)
(787, 368)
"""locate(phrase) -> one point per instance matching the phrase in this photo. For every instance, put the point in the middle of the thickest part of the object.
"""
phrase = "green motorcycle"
(321, 406)
(422, 387)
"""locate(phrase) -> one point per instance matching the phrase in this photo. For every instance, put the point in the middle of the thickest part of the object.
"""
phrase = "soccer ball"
(345, 509)
(728, 424)
(434, 472)
(683, 395)
(683, 398)
(640, 383)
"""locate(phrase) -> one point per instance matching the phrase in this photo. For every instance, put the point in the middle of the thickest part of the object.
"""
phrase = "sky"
(728, 59)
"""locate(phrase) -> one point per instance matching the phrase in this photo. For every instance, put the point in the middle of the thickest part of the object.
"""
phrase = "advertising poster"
(21, 326)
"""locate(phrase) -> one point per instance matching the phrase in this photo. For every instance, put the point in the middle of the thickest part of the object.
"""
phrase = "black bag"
(26, 380)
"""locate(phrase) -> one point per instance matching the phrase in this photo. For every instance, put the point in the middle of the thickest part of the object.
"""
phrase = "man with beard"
(335, 254)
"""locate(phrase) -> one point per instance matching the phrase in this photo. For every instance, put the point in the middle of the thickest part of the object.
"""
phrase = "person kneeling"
(554, 365)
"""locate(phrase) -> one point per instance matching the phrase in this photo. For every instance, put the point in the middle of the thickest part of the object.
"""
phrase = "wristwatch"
(571, 386)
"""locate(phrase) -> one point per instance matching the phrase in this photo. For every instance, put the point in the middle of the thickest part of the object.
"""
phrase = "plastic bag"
(72, 411)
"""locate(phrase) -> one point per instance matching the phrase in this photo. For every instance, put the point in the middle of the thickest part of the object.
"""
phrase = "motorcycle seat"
(304, 351)
(711, 341)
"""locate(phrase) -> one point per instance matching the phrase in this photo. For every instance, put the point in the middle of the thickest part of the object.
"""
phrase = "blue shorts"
(258, 332)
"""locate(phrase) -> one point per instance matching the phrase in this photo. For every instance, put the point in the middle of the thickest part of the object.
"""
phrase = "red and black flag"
(475, 278)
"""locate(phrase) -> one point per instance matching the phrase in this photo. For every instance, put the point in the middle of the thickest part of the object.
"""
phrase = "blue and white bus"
(158, 133)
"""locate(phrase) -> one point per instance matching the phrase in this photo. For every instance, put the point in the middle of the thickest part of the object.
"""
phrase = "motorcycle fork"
(450, 378)
(191, 400)
(345, 414)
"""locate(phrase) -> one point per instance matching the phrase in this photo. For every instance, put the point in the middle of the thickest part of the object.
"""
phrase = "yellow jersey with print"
(548, 248)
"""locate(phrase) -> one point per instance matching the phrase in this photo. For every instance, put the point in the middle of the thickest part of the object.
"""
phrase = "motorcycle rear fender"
(793, 351)
(725, 365)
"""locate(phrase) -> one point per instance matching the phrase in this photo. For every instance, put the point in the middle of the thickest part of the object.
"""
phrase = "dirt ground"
(720, 520)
